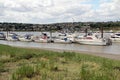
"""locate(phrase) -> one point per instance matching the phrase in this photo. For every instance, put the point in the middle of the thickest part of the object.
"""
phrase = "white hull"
(2, 38)
(92, 42)
(115, 39)
(25, 40)
(62, 41)
(11, 39)
(40, 40)
(72, 36)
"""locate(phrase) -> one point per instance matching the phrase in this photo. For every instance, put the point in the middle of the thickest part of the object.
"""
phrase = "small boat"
(62, 40)
(115, 37)
(71, 36)
(25, 38)
(12, 37)
(41, 39)
(2, 36)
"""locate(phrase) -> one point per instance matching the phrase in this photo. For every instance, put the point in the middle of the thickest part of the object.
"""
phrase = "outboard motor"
(109, 41)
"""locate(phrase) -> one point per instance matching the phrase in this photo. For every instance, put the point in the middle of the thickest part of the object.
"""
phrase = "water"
(113, 49)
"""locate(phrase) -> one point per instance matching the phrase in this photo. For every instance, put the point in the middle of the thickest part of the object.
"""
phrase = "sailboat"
(25, 38)
(12, 37)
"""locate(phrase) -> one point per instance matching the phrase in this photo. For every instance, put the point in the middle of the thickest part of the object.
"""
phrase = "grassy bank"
(35, 64)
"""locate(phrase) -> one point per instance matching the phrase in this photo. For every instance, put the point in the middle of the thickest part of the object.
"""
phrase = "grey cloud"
(49, 11)
(1, 9)
(28, 6)
(77, 10)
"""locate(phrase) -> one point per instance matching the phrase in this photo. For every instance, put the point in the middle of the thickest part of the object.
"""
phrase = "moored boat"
(2, 36)
(93, 40)
(25, 38)
(72, 36)
(41, 39)
(115, 37)
(62, 40)
(12, 37)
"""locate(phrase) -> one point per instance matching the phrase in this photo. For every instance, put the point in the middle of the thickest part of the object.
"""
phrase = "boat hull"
(25, 40)
(40, 40)
(2, 38)
(115, 39)
(62, 41)
(11, 39)
(92, 42)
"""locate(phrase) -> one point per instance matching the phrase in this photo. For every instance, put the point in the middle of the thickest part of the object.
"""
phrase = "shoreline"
(104, 55)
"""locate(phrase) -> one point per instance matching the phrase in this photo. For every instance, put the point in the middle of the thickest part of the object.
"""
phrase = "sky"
(57, 11)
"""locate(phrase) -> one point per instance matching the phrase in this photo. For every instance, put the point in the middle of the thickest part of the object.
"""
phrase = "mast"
(73, 24)
(86, 31)
(101, 31)
(8, 31)
(50, 33)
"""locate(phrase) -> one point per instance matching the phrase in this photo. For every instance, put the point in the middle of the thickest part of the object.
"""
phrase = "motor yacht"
(115, 37)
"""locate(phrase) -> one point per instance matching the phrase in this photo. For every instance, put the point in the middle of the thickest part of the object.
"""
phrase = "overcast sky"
(52, 11)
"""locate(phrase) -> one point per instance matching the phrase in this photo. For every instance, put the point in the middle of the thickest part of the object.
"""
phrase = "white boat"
(62, 40)
(25, 38)
(41, 39)
(2, 36)
(93, 40)
(12, 37)
(115, 37)
(71, 36)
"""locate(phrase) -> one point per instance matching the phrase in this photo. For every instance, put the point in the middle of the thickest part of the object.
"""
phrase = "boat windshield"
(89, 38)
(1, 34)
(118, 34)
